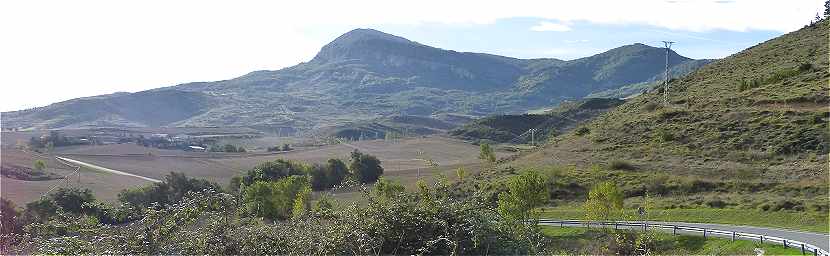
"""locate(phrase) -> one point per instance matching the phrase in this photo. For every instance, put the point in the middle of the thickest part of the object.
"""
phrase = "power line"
(666, 84)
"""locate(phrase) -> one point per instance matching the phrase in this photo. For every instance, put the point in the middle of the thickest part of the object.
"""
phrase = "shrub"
(650, 106)
(621, 165)
(664, 135)
(174, 187)
(10, 222)
(582, 131)
(274, 199)
(716, 203)
(72, 199)
(39, 165)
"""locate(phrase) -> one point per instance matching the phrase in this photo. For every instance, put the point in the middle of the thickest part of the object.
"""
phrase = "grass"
(569, 240)
(780, 219)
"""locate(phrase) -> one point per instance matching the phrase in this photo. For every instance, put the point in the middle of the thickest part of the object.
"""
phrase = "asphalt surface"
(817, 239)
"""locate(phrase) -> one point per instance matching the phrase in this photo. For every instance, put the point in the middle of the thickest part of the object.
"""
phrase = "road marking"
(106, 169)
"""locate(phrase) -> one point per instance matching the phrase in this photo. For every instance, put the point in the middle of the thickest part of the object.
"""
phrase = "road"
(104, 169)
(817, 239)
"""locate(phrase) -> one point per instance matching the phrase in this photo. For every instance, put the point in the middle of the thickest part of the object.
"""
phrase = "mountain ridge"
(366, 74)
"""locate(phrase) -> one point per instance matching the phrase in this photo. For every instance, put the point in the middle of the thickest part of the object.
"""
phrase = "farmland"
(400, 159)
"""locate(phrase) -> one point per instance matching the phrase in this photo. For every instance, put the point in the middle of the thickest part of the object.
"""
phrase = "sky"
(57, 50)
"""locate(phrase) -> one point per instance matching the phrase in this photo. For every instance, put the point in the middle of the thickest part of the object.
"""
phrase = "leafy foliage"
(208, 222)
(172, 189)
(486, 154)
(604, 201)
(525, 192)
(365, 168)
(277, 200)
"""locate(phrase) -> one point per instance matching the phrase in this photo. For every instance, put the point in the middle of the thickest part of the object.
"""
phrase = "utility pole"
(533, 136)
(666, 84)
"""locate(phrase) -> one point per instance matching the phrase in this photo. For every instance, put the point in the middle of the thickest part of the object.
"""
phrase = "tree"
(302, 203)
(286, 147)
(525, 192)
(337, 171)
(274, 170)
(40, 165)
(274, 199)
(365, 168)
(604, 200)
(319, 177)
(486, 154)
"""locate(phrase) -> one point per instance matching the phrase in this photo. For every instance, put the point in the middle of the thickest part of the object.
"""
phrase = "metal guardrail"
(787, 243)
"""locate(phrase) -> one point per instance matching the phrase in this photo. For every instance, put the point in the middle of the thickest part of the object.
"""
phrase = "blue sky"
(56, 50)
(514, 37)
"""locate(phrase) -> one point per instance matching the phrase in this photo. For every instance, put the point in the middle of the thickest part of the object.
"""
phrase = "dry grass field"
(399, 159)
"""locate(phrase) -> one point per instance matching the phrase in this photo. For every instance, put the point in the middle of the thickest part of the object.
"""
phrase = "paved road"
(104, 169)
(817, 239)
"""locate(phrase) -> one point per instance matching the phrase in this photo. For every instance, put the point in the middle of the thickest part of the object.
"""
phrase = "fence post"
(704, 233)
(762, 239)
(815, 251)
(674, 230)
(615, 225)
(561, 224)
(733, 236)
(802, 249)
(785, 244)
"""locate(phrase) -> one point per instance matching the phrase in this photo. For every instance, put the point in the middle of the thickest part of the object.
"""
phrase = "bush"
(650, 106)
(274, 200)
(72, 199)
(664, 135)
(621, 165)
(716, 203)
(582, 131)
(39, 165)
(10, 222)
(174, 187)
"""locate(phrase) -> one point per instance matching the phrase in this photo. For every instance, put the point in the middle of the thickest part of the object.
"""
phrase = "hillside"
(364, 75)
(761, 112)
(514, 128)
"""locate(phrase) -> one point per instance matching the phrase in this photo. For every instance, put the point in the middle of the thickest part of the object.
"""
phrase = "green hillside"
(756, 107)
(514, 128)
(747, 132)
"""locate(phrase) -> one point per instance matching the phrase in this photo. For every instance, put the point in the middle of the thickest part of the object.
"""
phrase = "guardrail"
(787, 243)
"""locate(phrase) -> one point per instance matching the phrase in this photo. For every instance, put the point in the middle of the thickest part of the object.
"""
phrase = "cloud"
(550, 26)
(578, 41)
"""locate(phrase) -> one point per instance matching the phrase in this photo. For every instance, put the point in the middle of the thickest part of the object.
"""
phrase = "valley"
(383, 145)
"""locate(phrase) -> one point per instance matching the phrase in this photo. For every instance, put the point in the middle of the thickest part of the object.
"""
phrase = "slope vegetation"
(762, 112)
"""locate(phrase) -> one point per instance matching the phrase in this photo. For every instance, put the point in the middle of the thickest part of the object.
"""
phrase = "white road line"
(106, 169)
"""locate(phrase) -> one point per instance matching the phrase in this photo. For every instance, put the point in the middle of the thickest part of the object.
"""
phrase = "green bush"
(621, 165)
(664, 135)
(172, 189)
(274, 199)
(582, 131)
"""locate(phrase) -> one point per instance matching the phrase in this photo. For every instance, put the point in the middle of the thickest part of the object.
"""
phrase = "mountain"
(364, 75)
(761, 112)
